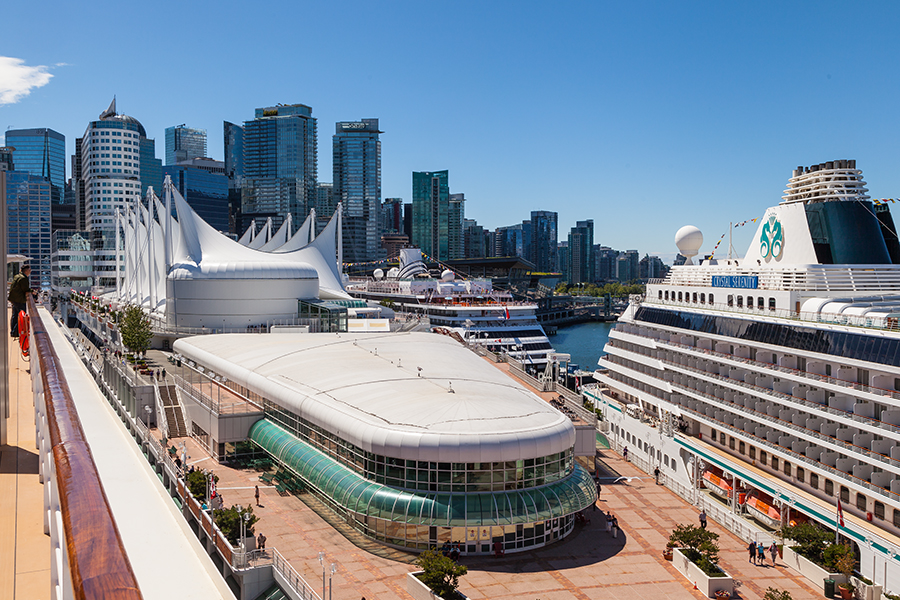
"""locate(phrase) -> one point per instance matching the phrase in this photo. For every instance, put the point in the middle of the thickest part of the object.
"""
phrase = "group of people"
(758, 553)
(451, 551)
(612, 524)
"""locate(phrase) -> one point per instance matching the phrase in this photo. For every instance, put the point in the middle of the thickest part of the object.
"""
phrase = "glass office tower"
(356, 163)
(544, 239)
(431, 218)
(28, 200)
(234, 171)
(206, 192)
(280, 165)
(184, 143)
(581, 252)
(41, 152)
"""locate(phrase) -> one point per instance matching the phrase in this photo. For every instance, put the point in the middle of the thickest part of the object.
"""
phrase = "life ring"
(24, 327)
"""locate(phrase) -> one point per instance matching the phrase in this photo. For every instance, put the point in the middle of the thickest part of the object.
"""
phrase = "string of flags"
(880, 201)
(736, 225)
(748, 221)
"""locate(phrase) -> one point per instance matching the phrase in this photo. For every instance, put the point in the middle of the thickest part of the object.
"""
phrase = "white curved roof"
(243, 270)
(368, 390)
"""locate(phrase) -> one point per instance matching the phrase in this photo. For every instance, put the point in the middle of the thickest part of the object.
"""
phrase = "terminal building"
(412, 438)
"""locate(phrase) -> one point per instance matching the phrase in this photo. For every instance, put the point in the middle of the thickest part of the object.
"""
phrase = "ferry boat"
(471, 309)
(779, 369)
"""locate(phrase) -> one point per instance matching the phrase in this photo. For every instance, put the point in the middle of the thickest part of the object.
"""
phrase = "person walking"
(18, 297)
(256, 495)
(625, 453)
(752, 550)
(609, 521)
(615, 527)
(773, 551)
(702, 517)
(761, 554)
(656, 474)
(261, 542)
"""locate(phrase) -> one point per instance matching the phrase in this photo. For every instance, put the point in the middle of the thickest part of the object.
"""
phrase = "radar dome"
(378, 274)
(393, 273)
(447, 275)
(688, 240)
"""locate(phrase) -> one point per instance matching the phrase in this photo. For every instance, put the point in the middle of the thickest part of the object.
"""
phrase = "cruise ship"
(767, 388)
(471, 309)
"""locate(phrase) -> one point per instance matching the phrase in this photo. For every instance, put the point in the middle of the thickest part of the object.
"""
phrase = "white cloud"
(17, 79)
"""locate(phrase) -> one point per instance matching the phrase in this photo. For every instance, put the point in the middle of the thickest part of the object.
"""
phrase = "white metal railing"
(293, 578)
(162, 422)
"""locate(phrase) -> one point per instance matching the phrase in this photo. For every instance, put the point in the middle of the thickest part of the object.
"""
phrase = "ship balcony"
(762, 435)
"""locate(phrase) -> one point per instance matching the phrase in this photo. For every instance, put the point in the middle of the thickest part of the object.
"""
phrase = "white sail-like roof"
(248, 235)
(303, 236)
(263, 236)
(281, 236)
(321, 253)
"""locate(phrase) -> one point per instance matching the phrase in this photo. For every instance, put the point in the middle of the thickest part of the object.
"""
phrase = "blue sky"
(643, 116)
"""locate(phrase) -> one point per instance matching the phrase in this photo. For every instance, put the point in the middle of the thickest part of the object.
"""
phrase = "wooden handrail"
(98, 563)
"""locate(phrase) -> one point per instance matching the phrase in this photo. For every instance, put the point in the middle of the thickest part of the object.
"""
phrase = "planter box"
(707, 585)
(420, 591)
(813, 572)
(864, 591)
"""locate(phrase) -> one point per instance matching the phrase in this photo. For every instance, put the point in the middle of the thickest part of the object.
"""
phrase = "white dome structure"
(448, 275)
(688, 239)
(378, 274)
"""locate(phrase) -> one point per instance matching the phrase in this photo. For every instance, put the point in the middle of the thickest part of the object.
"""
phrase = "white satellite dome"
(448, 275)
(378, 274)
(393, 273)
(688, 240)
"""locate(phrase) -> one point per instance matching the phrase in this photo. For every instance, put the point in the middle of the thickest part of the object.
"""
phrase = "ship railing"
(724, 404)
(826, 278)
(797, 372)
(761, 441)
(88, 559)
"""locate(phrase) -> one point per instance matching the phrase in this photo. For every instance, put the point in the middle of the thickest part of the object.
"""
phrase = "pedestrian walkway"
(24, 549)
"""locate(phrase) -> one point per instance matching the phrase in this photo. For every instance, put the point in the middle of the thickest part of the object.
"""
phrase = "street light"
(147, 410)
(333, 571)
(322, 562)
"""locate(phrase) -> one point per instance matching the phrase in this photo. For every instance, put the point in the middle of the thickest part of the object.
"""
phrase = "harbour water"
(584, 341)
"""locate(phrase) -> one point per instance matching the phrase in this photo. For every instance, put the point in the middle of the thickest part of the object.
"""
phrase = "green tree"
(135, 330)
(776, 594)
(699, 546)
(196, 483)
(440, 574)
(811, 540)
(229, 522)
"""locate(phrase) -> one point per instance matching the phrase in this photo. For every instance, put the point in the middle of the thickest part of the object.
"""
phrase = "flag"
(840, 514)
(212, 486)
(506, 310)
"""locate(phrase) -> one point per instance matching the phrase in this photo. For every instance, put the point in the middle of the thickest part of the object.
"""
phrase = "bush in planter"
(845, 564)
(832, 556)
(776, 594)
(811, 541)
(196, 483)
(229, 522)
(441, 574)
(699, 546)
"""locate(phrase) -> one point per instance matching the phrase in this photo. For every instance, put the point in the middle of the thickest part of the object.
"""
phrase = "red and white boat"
(717, 484)
(761, 508)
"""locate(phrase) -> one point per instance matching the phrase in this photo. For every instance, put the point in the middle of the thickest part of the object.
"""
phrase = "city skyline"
(701, 128)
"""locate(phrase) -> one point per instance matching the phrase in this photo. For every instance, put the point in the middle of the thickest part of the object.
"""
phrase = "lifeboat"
(761, 508)
(717, 484)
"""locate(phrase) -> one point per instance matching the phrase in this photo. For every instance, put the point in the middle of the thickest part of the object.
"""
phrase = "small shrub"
(440, 574)
(699, 546)
(845, 565)
(833, 554)
(196, 483)
(811, 541)
(776, 594)
(229, 522)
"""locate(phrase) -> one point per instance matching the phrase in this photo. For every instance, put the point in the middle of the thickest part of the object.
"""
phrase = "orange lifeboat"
(717, 485)
(760, 507)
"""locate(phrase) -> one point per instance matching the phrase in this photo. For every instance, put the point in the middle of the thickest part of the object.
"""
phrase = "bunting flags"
(880, 201)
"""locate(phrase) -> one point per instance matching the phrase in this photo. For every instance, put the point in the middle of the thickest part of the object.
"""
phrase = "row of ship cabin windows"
(799, 474)
(703, 298)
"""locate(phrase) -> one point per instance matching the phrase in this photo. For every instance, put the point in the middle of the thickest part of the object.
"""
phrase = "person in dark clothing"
(18, 296)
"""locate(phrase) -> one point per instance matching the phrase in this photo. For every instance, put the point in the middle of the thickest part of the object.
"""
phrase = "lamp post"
(330, 575)
(322, 562)
(147, 411)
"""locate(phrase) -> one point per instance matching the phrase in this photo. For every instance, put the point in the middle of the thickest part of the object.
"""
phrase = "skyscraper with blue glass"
(28, 199)
(184, 143)
(431, 213)
(234, 171)
(280, 165)
(41, 152)
(544, 239)
(356, 163)
(202, 182)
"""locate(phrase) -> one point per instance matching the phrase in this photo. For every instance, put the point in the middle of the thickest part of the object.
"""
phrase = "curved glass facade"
(517, 519)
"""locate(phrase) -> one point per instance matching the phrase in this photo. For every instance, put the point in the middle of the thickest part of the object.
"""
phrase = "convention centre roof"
(416, 396)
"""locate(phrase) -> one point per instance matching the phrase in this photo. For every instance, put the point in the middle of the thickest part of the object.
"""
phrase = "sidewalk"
(24, 549)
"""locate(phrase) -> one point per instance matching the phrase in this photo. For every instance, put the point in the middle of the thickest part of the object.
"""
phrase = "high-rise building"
(652, 267)
(203, 184)
(280, 165)
(581, 250)
(28, 201)
(234, 171)
(41, 152)
(431, 208)
(456, 216)
(544, 239)
(628, 266)
(117, 164)
(562, 258)
(604, 263)
(356, 164)
(392, 215)
(62, 215)
(78, 188)
(325, 205)
(473, 239)
(509, 241)
(184, 143)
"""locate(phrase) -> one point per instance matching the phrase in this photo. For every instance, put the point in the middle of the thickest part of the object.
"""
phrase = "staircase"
(174, 414)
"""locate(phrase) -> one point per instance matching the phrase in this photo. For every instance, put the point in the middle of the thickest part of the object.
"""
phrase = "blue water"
(584, 342)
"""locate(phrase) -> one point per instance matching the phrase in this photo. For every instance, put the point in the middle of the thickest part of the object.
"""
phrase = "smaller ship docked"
(469, 308)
